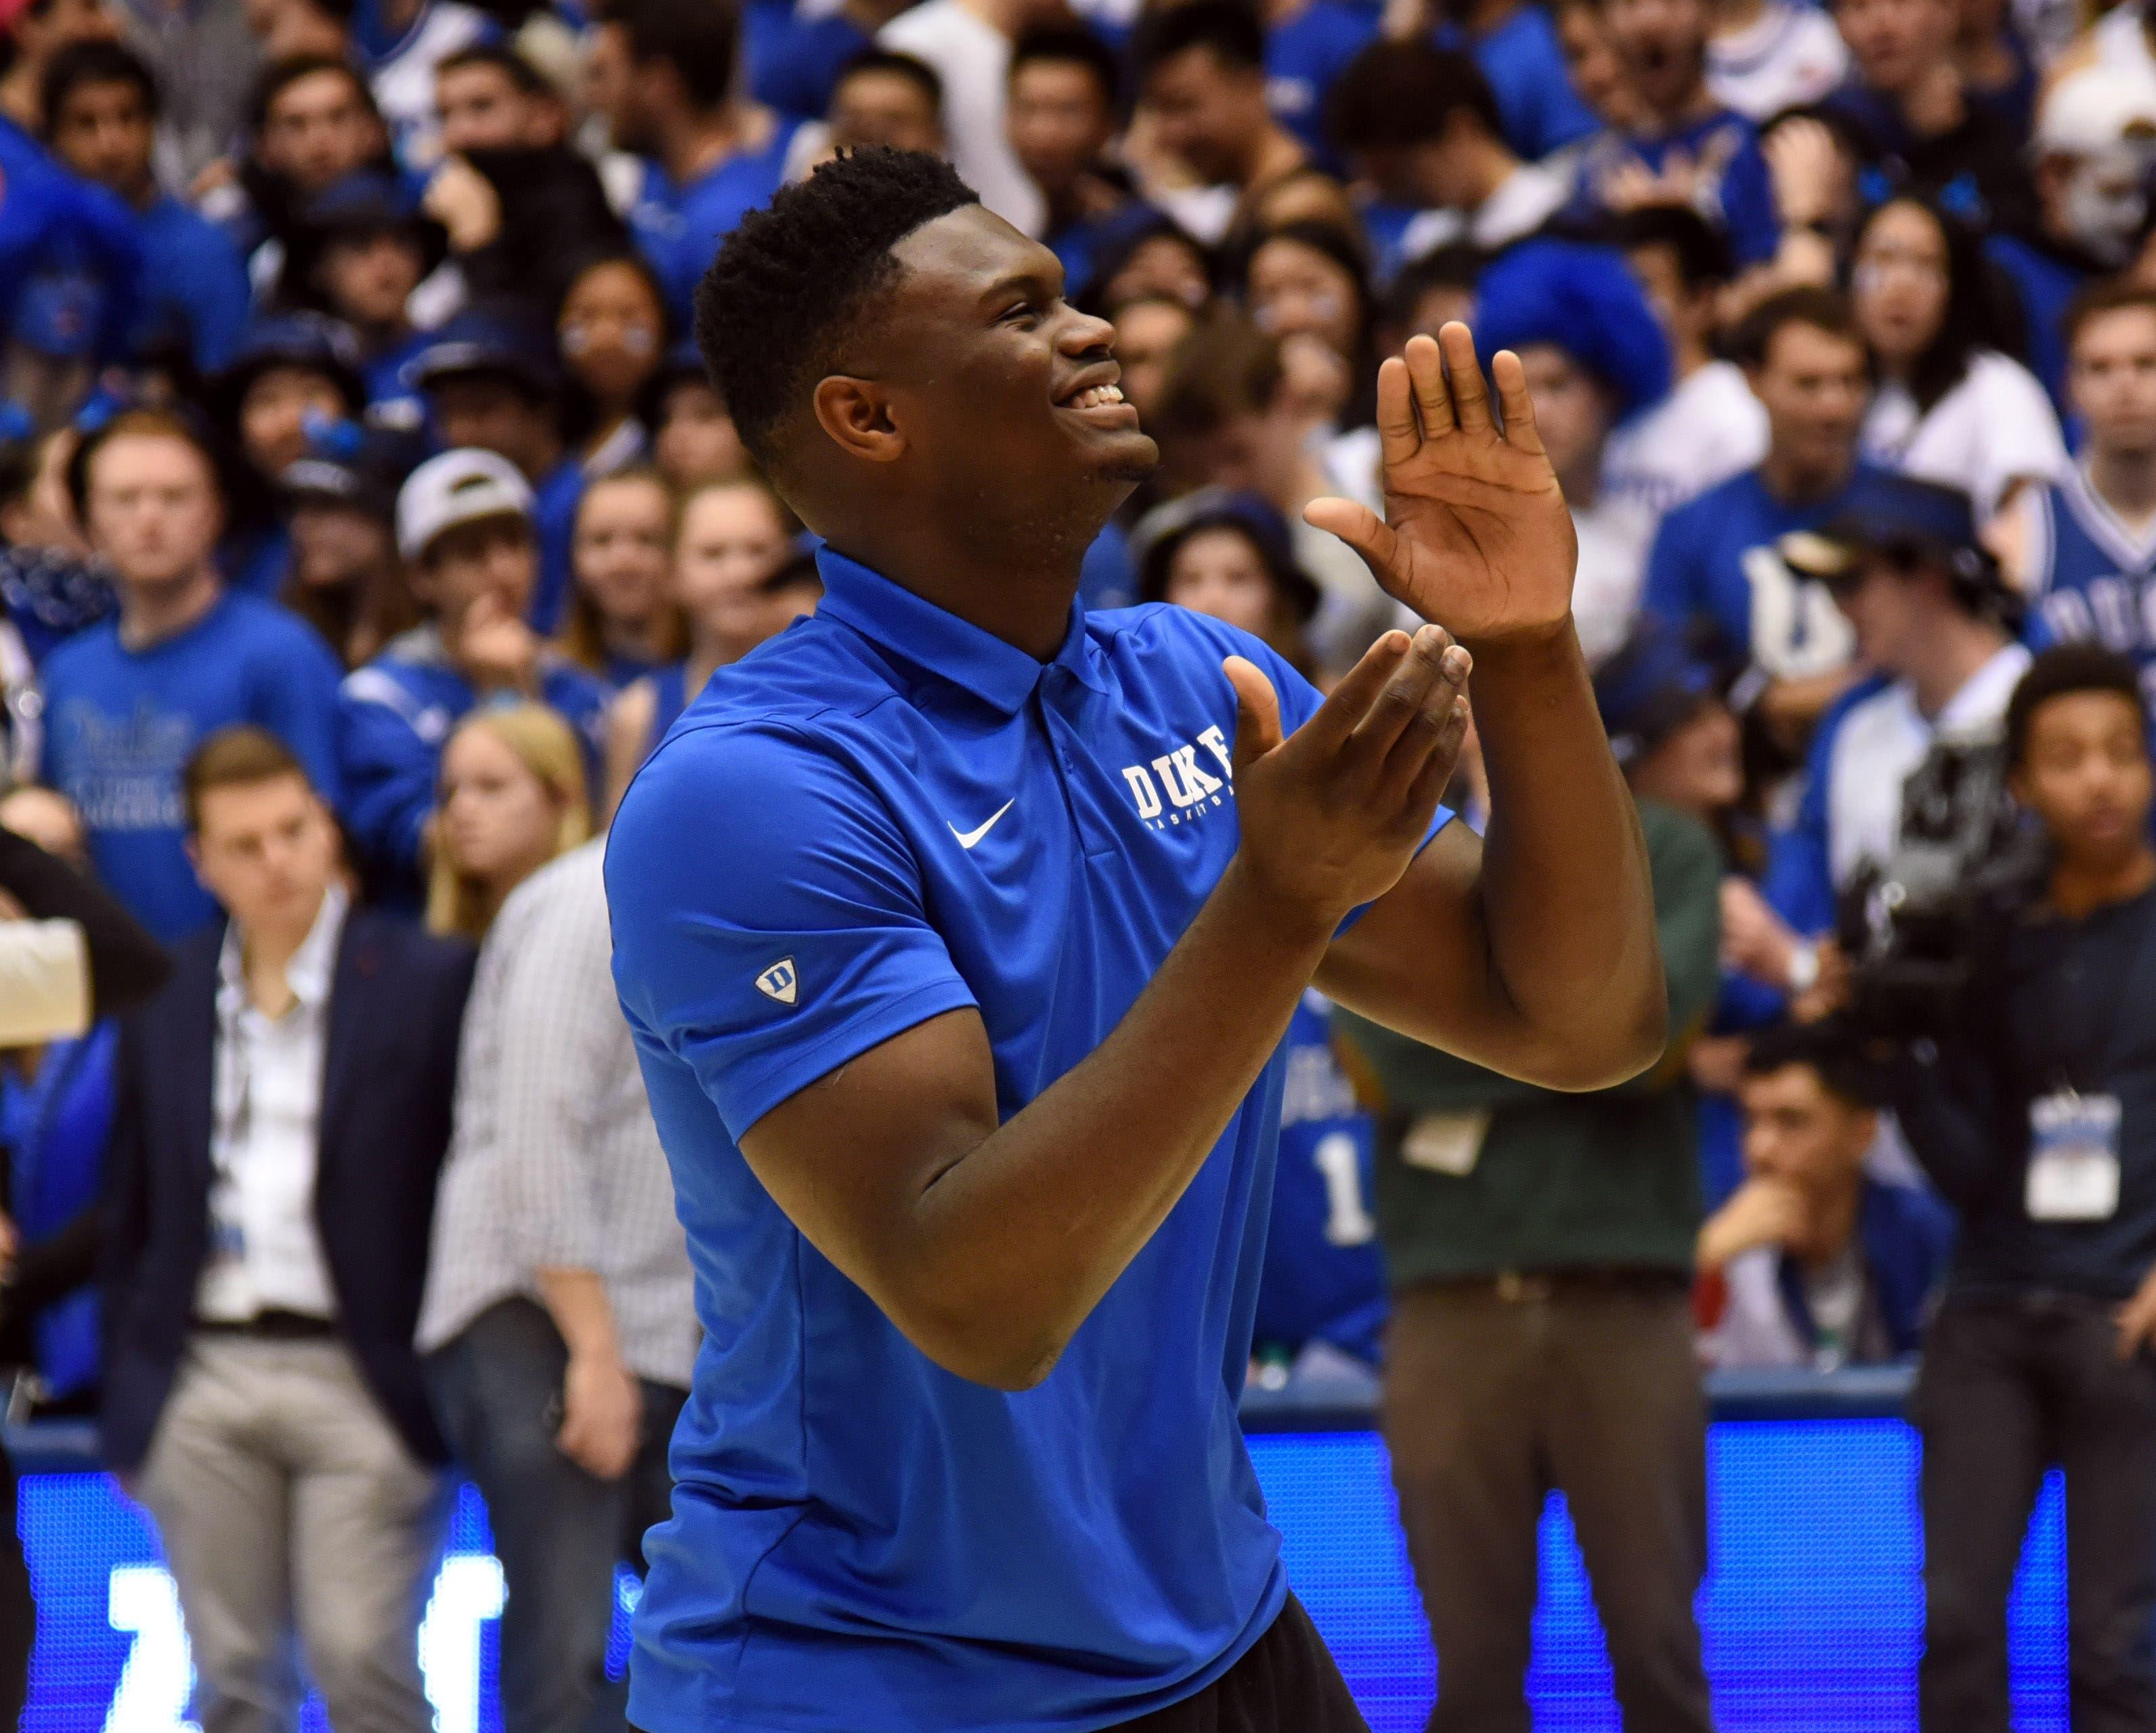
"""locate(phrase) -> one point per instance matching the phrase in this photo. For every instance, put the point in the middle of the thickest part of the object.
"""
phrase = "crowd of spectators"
(366, 515)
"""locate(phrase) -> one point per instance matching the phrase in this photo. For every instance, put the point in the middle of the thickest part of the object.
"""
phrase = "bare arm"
(628, 732)
(988, 1244)
(1534, 952)
(602, 1404)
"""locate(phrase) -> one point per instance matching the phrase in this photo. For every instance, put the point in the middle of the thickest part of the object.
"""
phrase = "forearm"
(1014, 1242)
(1566, 898)
(577, 1301)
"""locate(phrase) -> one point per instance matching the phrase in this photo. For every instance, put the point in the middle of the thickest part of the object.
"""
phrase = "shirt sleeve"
(769, 920)
(2022, 439)
(556, 1005)
(386, 770)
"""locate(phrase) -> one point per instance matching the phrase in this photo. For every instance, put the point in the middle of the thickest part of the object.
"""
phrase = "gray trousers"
(288, 1505)
(1495, 1397)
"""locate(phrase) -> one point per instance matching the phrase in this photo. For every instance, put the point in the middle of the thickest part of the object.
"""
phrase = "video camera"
(1909, 925)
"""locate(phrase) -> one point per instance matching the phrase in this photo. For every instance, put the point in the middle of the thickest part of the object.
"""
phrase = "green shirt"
(1554, 1181)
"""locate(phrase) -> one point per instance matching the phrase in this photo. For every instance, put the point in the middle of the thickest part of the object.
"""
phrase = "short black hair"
(799, 276)
(1397, 93)
(1826, 310)
(1829, 1047)
(279, 76)
(923, 77)
(1070, 45)
(519, 70)
(1701, 251)
(2058, 673)
(1456, 266)
(701, 39)
(94, 63)
(1230, 29)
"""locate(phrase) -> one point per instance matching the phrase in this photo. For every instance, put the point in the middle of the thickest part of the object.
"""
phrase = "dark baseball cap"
(1898, 515)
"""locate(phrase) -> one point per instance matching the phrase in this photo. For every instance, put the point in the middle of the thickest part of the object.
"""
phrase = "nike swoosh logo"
(967, 839)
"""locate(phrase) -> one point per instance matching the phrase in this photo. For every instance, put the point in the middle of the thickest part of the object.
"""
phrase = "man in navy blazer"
(284, 1108)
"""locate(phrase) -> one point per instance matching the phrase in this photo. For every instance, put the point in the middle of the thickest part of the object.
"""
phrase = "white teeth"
(1093, 396)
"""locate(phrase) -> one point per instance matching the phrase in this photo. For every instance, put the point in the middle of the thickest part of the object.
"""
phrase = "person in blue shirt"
(918, 912)
(1061, 114)
(1715, 565)
(2087, 545)
(1515, 44)
(1686, 148)
(1308, 45)
(100, 108)
(361, 248)
(716, 158)
(1323, 1282)
(1421, 126)
(70, 257)
(464, 530)
(794, 65)
(128, 701)
(490, 382)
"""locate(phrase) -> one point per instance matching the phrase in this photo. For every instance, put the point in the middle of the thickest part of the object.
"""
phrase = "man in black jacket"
(284, 1107)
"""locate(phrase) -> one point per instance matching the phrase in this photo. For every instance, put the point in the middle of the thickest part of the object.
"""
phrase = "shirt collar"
(931, 638)
(312, 968)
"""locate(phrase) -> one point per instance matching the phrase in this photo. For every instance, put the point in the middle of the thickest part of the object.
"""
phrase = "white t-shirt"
(1614, 536)
(1791, 55)
(972, 58)
(1707, 429)
(1993, 429)
(1878, 746)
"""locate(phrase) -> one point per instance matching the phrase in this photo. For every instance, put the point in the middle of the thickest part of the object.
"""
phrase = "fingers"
(1436, 774)
(1257, 710)
(1471, 398)
(1521, 432)
(1399, 703)
(1351, 700)
(1399, 438)
(1362, 529)
(1440, 714)
(1426, 368)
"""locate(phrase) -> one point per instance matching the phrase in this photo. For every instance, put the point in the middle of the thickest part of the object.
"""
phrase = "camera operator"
(2034, 1108)
(1930, 613)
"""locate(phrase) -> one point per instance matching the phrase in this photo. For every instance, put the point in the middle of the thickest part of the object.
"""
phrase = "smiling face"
(981, 390)
(622, 546)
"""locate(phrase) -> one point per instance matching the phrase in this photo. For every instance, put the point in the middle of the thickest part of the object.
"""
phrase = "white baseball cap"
(458, 487)
(2098, 108)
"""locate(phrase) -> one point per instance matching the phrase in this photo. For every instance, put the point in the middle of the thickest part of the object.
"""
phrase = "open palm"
(1475, 535)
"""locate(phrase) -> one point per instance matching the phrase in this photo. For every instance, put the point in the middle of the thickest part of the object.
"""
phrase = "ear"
(855, 414)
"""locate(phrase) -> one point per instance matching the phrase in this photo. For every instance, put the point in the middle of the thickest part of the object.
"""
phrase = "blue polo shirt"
(861, 1541)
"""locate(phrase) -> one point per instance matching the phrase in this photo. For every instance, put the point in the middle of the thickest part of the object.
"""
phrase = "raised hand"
(1476, 536)
(1332, 815)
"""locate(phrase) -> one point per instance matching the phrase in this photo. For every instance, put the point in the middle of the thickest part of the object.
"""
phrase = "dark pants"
(1495, 1394)
(2008, 1388)
(1285, 1683)
(558, 1531)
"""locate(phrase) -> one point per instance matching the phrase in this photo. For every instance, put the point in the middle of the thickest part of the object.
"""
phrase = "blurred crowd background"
(367, 516)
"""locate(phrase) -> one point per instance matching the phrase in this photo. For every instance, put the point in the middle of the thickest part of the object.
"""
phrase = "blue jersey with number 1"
(1324, 1277)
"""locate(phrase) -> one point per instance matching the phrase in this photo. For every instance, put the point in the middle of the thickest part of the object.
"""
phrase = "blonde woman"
(513, 798)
